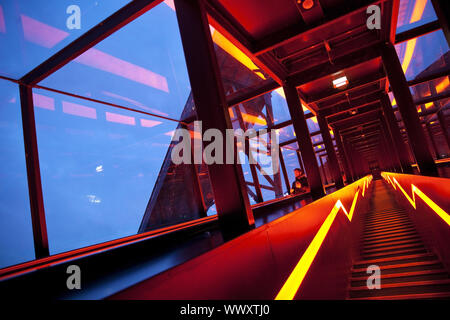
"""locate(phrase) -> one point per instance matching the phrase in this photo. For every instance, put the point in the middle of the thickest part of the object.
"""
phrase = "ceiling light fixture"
(340, 82)
(307, 4)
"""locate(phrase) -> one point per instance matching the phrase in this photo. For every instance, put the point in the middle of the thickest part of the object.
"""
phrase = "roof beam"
(294, 32)
(323, 70)
(89, 39)
(417, 32)
(350, 120)
(358, 84)
(370, 107)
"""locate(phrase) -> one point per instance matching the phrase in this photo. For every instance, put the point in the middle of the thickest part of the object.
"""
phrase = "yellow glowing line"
(418, 10)
(439, 211)
(295, 279)
(414, 190)
(410, 46)
(428, 105)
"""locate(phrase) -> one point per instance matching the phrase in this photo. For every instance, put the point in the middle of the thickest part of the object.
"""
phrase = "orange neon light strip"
(416, 191)
(295, 279)
(441, 86)
(253, 119)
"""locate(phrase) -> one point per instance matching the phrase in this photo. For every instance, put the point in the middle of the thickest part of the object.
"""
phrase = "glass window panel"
(319, 148)
(286, 133)
(31, 32)
(263, 111)
(238, 71)
(251, 194)
(268, 168)
(430, 88)
(99, 166)
(140, 66)
(414, 13)
(252, 114)
(203, 175)
(291, 162)
(317, 138)
(279, 106)
(16, 234)
(248, 177)
(313, 126)
(291, 146)
(424, 55)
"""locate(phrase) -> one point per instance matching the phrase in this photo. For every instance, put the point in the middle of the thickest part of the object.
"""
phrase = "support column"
(397, 136)
(285, 174)
(227, 180)
(304, 140)
(332, 158)
(408, 111)
(390, 143)
(387, 152)
(33, 173)
(353, 162)
(444, 126)
(345, 162)
(433, 143)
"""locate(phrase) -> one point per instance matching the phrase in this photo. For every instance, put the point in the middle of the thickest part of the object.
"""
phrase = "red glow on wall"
(41, 33)
(391, 178)
(298, 274)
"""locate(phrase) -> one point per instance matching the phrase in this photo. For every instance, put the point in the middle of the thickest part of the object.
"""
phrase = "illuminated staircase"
(390, 241)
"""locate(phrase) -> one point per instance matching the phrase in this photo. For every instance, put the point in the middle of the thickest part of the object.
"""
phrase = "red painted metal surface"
(257, 264)
(434, 230)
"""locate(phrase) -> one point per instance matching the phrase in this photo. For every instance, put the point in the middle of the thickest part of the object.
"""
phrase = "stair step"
(385, 211)
(389, 227)
(413, 276)
(395, 260)
(389, 231)
(385, 214)
(386, 222)
(386, 218)
(387, 248)
(395, 253)
(404, 288)
(396, 234)
(387, 234)
(403, 267)
(391, 239)
(391, 243)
